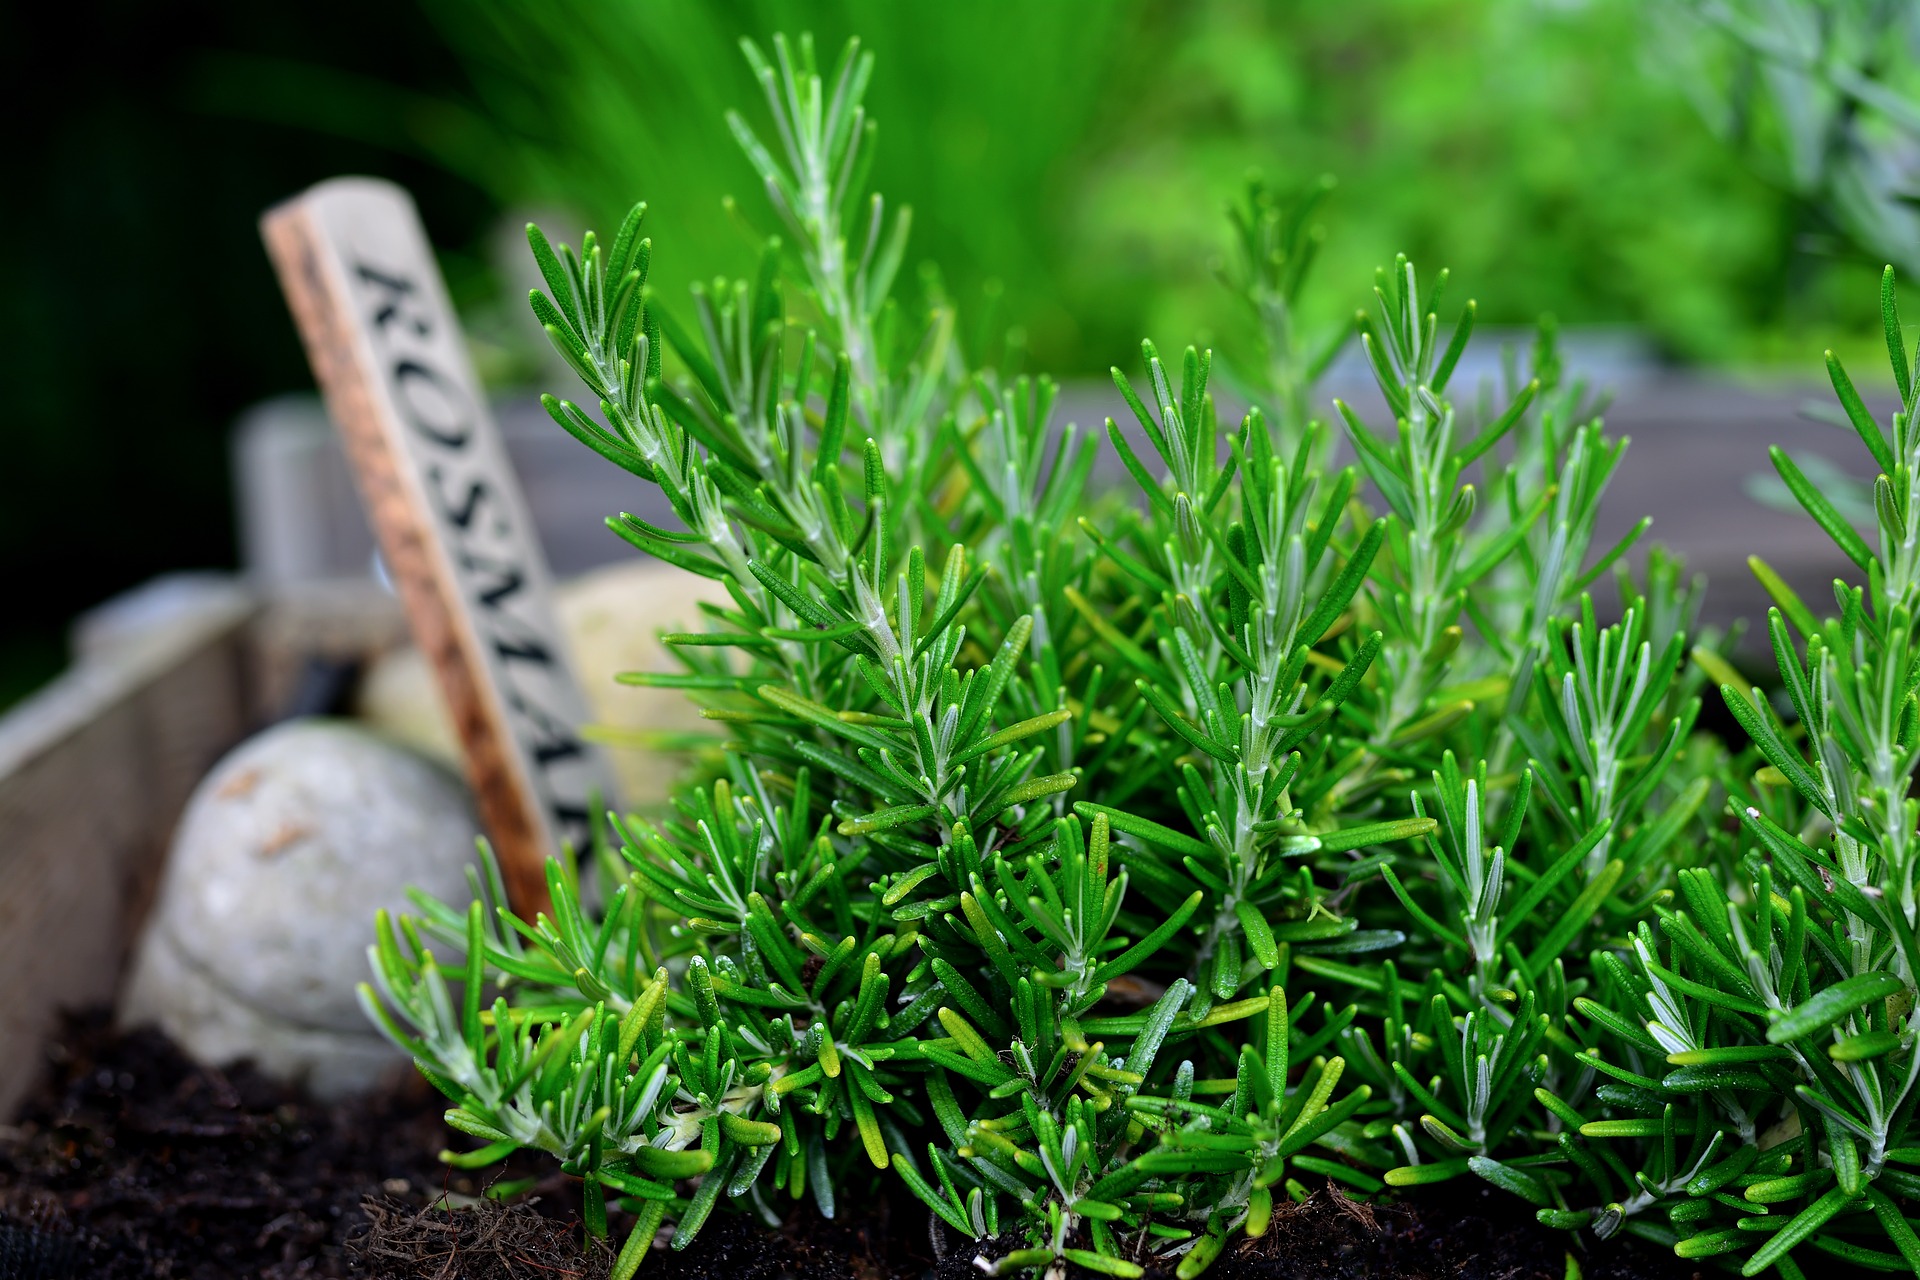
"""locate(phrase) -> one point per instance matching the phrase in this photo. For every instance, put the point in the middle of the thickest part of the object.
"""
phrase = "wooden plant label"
(453, 527)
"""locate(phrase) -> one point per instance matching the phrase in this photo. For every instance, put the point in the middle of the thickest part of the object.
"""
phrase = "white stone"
(398, 695)
(260, 930)
(613, 618)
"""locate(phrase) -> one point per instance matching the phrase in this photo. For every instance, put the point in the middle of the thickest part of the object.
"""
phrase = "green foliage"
(578, 106)
(1066, 162)
(1522, 144)
(1105, 878)
(1781, 990)
(1822, 96)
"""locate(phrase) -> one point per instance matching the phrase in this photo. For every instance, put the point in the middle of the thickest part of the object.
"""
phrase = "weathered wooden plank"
(93, 772)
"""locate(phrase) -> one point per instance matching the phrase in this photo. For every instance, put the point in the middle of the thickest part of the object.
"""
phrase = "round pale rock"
(399, 696)
(260, 930)
(612, 618)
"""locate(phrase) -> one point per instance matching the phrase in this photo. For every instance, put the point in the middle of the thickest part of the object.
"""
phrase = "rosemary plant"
(1101, 879)
(1759, 1025)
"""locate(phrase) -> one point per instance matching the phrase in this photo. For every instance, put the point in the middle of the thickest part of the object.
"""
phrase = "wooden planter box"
(96, 768)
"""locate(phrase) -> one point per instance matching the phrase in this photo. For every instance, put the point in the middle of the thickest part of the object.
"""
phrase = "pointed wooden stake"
(454, 530)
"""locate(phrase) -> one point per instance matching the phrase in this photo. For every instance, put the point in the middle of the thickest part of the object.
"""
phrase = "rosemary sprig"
(1106, 864)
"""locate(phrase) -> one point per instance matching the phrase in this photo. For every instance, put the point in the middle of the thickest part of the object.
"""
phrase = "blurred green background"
(1717, 186)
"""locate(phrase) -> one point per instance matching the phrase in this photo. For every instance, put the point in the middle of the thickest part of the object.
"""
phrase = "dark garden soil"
(131, 1162)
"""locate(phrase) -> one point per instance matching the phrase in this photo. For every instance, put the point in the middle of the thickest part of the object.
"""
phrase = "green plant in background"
(1461, 132)
(1823, 97)
(1103, 880)
(1078, 152)
(1275, 243)
(574, 107)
